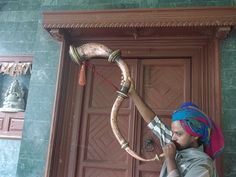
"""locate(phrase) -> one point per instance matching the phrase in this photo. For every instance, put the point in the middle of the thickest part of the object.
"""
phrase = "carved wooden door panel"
(100, 154)
(163, 83)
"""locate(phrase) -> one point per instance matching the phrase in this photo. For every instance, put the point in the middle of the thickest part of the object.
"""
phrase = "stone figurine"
(13, 98)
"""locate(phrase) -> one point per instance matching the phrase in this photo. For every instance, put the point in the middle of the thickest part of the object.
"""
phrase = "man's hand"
(132, 88)
(169, 151)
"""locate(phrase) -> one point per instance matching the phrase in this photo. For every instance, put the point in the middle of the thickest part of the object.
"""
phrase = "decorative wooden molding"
(132, 18)
(223, 32)
(133, 22)
(23, 58)
(57, 34)
(11, 125)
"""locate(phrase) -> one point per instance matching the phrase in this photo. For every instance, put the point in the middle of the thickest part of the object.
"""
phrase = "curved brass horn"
(91, 50)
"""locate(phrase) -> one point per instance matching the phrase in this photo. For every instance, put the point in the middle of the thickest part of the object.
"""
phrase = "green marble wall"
(9, 157)
(21, 33)
(228, 70)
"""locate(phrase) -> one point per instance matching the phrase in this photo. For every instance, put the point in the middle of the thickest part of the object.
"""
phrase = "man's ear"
(195, 138)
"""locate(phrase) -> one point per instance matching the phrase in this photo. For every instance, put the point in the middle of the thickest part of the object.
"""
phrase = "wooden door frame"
(143, 31)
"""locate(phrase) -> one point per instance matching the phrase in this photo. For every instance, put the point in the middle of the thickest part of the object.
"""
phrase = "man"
(190, 146)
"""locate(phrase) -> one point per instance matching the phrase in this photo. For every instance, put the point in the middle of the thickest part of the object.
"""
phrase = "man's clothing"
(191, 162)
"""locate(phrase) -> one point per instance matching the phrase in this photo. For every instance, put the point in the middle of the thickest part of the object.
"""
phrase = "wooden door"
(163, 83)
(100, 154)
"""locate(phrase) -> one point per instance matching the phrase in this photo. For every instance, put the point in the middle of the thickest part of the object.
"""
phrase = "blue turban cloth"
(197, 123)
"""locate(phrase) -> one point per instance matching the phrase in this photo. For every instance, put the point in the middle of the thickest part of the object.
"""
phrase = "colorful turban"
(198, 124)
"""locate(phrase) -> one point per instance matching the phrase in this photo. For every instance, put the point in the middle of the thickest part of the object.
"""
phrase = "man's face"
(180, 137)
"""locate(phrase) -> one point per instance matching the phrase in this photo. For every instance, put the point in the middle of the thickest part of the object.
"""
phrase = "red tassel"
(82, 77)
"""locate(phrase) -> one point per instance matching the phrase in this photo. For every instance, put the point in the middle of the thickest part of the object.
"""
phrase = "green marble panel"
(36, 129)
(45, 76)
(41, 94)
(39, 111)
(9, 157)
(30, 168)
(229, 60)
(229, 98)
(229, 121)
(230, 141)
(229, 164)
(34, 149)
(229, 78)
(48, 61)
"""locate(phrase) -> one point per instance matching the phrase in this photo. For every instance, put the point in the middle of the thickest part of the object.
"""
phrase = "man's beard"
(177, 145)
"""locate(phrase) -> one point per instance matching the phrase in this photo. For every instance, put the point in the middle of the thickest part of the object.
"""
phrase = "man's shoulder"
(194, 161)
(195, 154)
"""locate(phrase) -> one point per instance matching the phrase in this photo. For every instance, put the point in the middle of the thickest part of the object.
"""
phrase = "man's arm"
(154, 123)
(147, 114)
